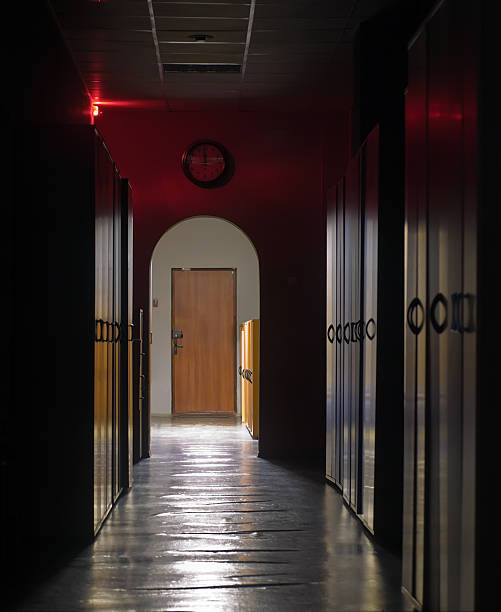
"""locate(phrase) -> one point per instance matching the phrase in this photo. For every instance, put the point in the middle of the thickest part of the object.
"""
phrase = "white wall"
(199, 242)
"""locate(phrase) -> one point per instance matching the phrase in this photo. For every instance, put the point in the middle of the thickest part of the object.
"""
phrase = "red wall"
(276, 197)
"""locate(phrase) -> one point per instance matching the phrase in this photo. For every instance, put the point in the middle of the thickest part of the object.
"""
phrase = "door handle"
(438, 299)
(415, 309)
(99, 330)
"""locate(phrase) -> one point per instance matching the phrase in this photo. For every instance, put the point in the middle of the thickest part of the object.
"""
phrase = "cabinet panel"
(369, 337)
(117, 252)
(330, 338)
(104, 174)
(351, 395)
(126, 335)
(249, 343)
(339, 344)
(439, 480)
(415, 330)
(445, 286)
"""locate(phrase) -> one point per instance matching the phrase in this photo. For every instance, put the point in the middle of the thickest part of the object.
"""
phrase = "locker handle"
(372, 335)
(105, 327)
(470, 322)
(132, 339)
(118, 328)
(331, 329)
(361, 329)
(99, 326)
(438, 299)
(413, 311)
(346, 338)
(460, 313)
(339, 333)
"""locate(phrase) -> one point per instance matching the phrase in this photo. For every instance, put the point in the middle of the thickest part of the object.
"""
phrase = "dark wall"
(44, 89)
(276, 198)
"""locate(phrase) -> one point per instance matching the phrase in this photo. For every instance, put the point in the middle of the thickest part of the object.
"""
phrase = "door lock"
(177, 334)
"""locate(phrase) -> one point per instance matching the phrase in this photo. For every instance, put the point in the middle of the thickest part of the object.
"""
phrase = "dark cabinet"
(364, 379)
(440, 336)
(67, 363)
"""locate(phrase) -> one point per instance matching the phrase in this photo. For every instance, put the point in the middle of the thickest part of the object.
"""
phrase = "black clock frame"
(223, 178)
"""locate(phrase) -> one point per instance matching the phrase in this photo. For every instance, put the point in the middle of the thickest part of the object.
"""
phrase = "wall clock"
(207, 164)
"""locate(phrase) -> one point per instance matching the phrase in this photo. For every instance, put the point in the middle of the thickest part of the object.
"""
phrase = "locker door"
(329, 420)
(108, 177)
(339, 319)
(445, 257)
(415, 330)
(102, 433)
(99, 363)
(241, 369)
(332, 337)
(126, 344)
(368, 328)
(117, 252)
(352, 301)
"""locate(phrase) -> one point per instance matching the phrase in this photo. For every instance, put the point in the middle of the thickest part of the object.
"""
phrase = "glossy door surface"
(330, 336)
(351, 395)
(126, 343)
(415, 325)
(103, 408)
(339, 344)
(445, 257)
(368, 330)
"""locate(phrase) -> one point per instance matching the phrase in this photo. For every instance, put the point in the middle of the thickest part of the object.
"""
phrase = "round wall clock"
(207, 164)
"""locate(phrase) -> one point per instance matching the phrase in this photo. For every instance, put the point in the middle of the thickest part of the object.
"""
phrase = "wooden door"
(203, 364)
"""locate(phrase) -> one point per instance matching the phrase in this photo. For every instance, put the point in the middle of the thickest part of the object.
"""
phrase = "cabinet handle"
(346, 338)
(438, 299)
(354, 332)
(415, 309)
(469, 327)
(339, 333)
(99, 326)
(331, 329)
(372, 335)
(361, 329)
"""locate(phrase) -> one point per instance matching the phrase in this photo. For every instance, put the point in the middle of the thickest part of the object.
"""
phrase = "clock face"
(207, 164)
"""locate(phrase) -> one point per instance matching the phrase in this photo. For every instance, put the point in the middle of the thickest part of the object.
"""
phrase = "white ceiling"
(294, 54)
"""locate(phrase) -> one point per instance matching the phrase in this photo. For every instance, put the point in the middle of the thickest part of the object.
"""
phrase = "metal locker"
(330, 339)
(416, 326)
(126, 335)
(339, 319)
(367, 330)
(445, 255)
(351, 356)
(116, 340)
(103, 410)
(440, 401)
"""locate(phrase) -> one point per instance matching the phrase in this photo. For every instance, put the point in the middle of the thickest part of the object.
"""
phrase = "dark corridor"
(355, 143)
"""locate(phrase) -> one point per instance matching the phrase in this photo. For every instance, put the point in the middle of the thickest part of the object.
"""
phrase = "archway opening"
(202, 243)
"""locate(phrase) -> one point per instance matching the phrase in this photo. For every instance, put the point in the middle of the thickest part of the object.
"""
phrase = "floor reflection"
(209, 526)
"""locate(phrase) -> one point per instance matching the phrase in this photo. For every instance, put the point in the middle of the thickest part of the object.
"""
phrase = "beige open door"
(203, 341)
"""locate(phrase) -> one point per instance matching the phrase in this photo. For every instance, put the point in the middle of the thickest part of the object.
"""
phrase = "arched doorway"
(201, 242)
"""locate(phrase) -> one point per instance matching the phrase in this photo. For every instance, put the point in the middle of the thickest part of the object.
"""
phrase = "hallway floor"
(209, 526)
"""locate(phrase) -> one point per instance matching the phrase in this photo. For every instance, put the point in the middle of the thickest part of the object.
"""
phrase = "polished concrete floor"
(209, 526)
